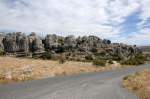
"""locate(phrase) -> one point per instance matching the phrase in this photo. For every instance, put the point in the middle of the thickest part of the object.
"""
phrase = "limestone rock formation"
(16, 43)
(35, 44)
(1, 41)
(70, 46)
(10, 43)
(51, 41)
(21, 42)
(70, 41)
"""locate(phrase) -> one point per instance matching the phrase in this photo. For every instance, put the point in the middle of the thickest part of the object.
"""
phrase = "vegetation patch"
(47, 55)
(139, 83)
(22, 69)
(99, 62)
(134, 60)
(1, 52)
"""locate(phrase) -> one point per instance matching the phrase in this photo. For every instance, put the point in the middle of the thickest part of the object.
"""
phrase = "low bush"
(89, 57)
(47, 55)
(110, 61)
(94, 50)
(136, 60)
(99, 62)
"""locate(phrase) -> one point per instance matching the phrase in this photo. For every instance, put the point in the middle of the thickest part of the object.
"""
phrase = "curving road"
(102, 85)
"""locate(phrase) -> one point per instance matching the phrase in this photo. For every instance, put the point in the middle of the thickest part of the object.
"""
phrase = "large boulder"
(1, 41)
(88, 43)
(70, 42)
(16, 43)
(22, 42)
(35, 44)
(54, 43)
(10, 43)
(51, 41)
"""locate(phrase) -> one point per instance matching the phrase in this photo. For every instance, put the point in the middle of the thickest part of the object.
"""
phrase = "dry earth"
(15, 69)
(139, 83)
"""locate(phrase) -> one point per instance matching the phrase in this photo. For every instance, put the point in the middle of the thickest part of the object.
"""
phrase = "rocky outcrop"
(35, 44)
(21, 42)
(10, 43)
(16, 43)
(69, 46)
(70, 41)
(52, 41)
(1, 41)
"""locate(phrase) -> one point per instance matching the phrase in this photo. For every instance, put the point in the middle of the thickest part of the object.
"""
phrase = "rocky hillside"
(145, 48)
(80, 48)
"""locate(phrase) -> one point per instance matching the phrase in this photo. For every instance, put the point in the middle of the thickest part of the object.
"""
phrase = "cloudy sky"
(126, 21)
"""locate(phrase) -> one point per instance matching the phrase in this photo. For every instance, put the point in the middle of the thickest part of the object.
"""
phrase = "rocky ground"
(15, 69)
(139, 83)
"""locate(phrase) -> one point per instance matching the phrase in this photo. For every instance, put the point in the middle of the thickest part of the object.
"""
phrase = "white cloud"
(145, 9)
(86, 17)
(140, 38)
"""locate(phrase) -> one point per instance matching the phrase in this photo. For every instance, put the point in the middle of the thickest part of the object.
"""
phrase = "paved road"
(103, 85)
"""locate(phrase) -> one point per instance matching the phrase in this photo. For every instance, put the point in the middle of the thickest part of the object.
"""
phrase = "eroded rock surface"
(70, 46)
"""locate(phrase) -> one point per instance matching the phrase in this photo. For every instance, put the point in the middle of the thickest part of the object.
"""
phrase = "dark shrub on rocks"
(110, 61)
(89, 57)
(99, 62)
(135, 60)
(1, 52)
(47, 55)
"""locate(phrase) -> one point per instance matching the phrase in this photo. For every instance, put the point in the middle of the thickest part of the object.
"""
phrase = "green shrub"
(99, 62)
(47, 55)
(116, 58)
(110, 61)
(1, 52)
(94, 50)
(89, 57)
(126, 77)
(136, 60)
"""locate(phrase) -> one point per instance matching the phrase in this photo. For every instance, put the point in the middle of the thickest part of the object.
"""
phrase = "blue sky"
(126, 21)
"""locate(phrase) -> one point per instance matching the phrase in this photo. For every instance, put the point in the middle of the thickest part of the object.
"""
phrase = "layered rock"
(52, 41)
(35, 44)
(70, 46)
(70, 41)
(10, 43)
(1, 41)
(22, 42)
(16, 43)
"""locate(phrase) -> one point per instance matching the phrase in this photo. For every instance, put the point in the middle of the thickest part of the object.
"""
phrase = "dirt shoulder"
(139, 83)
(16, 70)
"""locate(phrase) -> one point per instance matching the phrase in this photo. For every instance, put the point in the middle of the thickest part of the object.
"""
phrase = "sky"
(125, 21)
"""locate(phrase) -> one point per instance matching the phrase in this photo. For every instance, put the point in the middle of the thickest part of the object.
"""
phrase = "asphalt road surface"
(100, 85)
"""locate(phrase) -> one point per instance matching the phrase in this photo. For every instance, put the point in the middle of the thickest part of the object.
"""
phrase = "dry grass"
(139, 83)
(15, 69)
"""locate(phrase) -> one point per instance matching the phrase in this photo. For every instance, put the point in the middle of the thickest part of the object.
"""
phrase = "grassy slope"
(139, 83)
